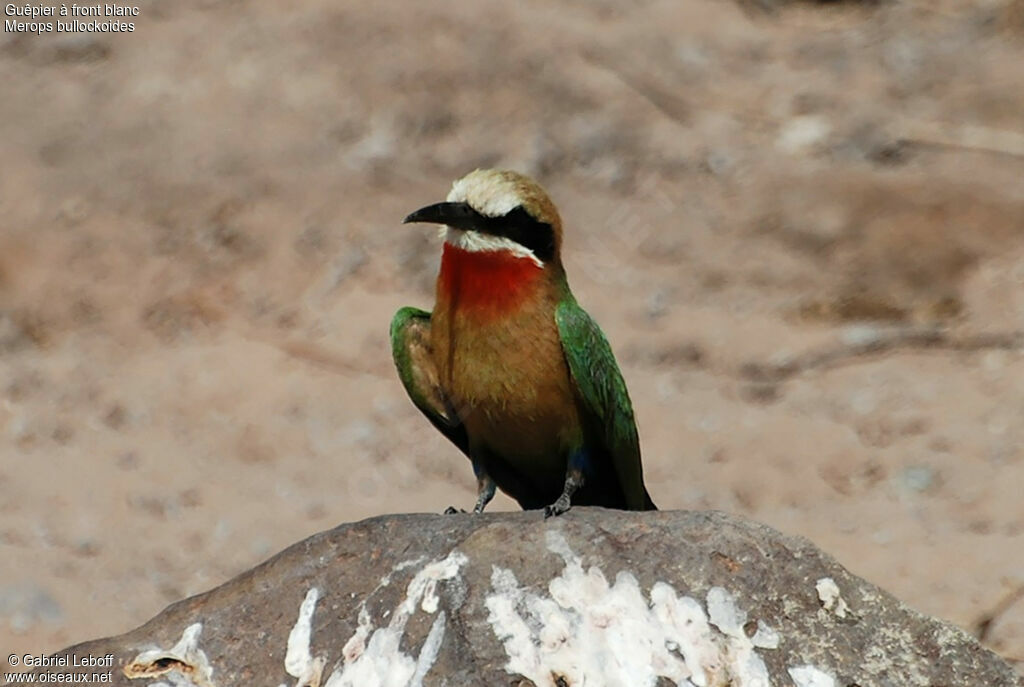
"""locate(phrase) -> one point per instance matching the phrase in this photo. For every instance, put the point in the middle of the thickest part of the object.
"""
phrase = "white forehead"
(489, 194)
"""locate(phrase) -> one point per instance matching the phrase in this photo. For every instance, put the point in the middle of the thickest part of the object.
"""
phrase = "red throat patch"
(486, 282)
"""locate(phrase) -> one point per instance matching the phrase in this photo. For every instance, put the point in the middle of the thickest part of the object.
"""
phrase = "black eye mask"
(516, 225)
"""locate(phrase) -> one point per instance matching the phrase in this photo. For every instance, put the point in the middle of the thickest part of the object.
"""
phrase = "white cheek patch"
(476, 242)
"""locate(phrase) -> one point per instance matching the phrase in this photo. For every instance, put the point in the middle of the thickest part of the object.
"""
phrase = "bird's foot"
(562, 505)
(573, 481)
(485, 488)
(452, 510)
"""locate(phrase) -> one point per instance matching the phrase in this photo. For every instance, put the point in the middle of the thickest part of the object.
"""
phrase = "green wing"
(604, 395)
(411, 350)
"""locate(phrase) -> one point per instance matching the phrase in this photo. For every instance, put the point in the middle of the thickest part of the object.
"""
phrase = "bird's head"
(498, 210)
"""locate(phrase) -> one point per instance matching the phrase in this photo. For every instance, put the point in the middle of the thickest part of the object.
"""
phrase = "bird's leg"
(573, 481)
(485, 488)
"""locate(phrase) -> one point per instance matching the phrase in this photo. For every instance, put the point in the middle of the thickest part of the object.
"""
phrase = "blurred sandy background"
(201, 250)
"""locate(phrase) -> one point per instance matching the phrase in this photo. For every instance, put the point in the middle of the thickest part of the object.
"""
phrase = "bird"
(508, 366)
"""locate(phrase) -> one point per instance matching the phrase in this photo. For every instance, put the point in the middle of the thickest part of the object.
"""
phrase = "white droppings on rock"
(587, 631)
(809, 676)
(411, 563)
(730, 620)
(430, 598)
(696, 646)
(374, 658)
(830, 597)
(765, 637)
(183, 665)
(724, 614)
(356, 644)
(298, 661)
(429, 650)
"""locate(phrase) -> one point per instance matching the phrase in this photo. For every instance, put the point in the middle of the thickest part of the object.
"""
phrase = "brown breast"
(503, 368)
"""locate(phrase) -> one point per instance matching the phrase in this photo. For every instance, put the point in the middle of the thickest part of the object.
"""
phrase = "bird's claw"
(452, 510)
(562, 505)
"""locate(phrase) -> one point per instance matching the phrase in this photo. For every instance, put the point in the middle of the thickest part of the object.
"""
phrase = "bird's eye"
(526, 230)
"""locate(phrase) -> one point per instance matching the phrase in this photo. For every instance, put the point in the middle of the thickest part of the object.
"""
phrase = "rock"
(594, 597)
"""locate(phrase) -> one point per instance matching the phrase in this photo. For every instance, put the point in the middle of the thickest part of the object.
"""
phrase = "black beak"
(457, 215)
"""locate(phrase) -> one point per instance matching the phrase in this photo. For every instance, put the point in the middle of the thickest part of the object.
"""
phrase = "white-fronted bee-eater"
(508, 366)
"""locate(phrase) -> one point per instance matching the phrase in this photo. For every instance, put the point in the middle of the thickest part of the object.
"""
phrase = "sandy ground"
(201, 250)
